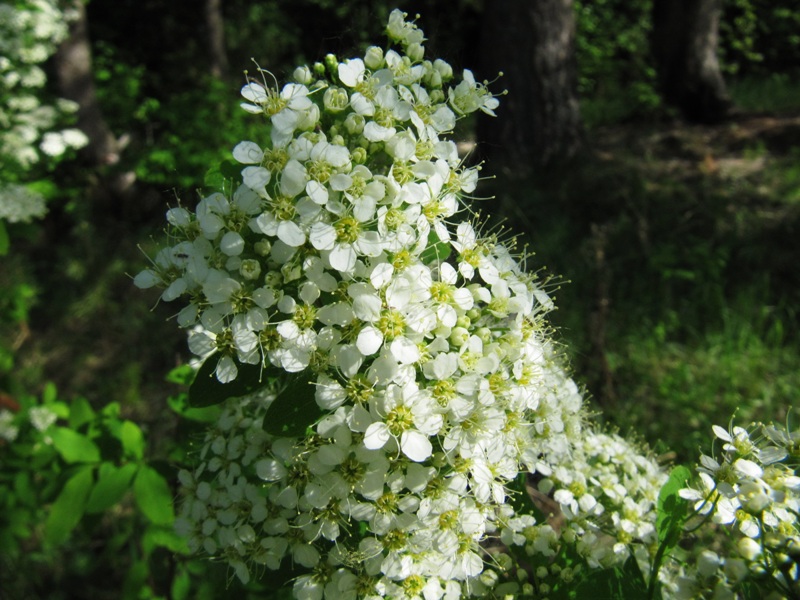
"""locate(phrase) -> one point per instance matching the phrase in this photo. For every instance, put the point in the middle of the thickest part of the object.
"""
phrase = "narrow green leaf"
(181, 585)
(49, 393)
(68, 508)
(112, 483)
(294, 410)
(132, 439)
(206, 390)
(73, 446)
(153, 496)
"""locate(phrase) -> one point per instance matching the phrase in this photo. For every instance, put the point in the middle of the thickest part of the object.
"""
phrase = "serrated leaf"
(112, 483)
(68, 508)
(435, 252)
(73, 446)
(295, 409)
(153, 496)
(206, 389)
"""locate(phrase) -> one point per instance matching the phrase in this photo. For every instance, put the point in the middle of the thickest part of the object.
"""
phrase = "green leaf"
(153, 496)
(180, 404)
(294, 410)
(163, 537)
(49, 393)
(181, 585)
(132, 439)
(80, 413)
(73, 446)
(5, 243)
(206, 390)
(67, 510)
(435, 252)
(672, 509)
(112, 483)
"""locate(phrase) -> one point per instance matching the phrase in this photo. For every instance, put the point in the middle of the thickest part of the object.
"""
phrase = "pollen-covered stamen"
(424, 150)
(383, 117)
(347, 229)
(386, 503)
(359, 389)
(442, 292)
(319, 170)
(283, 208)
(402, 172)
(391, 324)
(399, 419)
(224, 342)
(443, 391)
(273, 103)
(275, 159)
(402, 260)
(413, 585)
(304, 315)
(395, 540)
(393, 218)
(352, 470)
(269, 338)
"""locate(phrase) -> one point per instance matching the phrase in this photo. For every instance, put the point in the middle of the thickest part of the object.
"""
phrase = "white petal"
(248, 153)
(342, 258)
(369, 341)
(376, 436)
(232, 244)
(146, 279)
(414, 445)
(291, 234)
(322, 236)
(405, 351)
(226, 369)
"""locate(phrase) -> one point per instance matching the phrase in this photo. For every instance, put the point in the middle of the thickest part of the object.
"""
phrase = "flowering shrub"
(30, 32)
(391, 397)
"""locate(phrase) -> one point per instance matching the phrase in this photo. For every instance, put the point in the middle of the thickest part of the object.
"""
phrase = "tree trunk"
(533, 43)
(684, 43)
(73, 65)
(215, 26)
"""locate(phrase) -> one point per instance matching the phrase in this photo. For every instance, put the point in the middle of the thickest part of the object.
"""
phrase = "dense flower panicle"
(752, 486)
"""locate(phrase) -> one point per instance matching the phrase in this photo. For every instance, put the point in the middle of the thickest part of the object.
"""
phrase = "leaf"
(206, 390)
(294, 410)
(73, 446)
(153, 496)
(80, 413)
(181, 585)
(132, 439)
(671, 507)
(163, 537)
(435, 252)
(112, 483)
(5, 243)
(67, 510)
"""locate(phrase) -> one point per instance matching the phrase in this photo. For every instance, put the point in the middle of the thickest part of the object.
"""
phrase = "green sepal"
(206, 389)
(295, 409)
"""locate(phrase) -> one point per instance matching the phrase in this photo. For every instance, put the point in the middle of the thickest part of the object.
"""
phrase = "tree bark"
(73, 65)
(215, 26)
(533, 44)
(684, 43)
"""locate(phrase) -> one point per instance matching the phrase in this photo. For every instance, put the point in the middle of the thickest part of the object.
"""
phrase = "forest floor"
(677, 247)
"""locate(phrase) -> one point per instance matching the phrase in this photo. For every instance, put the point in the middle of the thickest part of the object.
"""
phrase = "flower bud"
(359, 156)
(335, 99)
(415, 52)
(303, 75)
(373, 59)
(354, 123)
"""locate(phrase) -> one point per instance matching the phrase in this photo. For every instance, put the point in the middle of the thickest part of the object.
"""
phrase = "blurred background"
(646, 159)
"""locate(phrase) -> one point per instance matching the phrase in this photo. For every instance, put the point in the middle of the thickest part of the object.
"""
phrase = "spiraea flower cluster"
(30, 32)
(753, 487)
(608, 493)
(344, 259)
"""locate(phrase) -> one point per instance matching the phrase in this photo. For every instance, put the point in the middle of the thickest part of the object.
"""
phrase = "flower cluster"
(30, 31)
(608, 494)
(754, 488)
(343, 259)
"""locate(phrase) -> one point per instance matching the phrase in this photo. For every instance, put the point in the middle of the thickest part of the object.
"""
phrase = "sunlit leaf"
(153, 496)
(73, 446)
